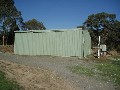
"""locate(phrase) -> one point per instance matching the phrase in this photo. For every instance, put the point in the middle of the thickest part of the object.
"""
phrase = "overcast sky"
(62, 14)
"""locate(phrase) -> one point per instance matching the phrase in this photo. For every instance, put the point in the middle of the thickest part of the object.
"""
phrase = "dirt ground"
(49, 73)
(32, 78)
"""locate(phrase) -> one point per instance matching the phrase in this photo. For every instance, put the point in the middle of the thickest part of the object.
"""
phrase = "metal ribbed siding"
(87, 43)
(63, 43)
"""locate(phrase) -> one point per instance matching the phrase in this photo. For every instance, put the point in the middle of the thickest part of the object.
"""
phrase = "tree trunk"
(3, 40)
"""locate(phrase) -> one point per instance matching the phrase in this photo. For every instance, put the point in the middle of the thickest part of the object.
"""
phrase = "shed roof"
(51, 30)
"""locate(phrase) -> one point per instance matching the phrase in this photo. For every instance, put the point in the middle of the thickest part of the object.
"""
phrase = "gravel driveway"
(58, 65)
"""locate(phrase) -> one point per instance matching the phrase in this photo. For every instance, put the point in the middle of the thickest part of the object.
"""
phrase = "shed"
(69, 42)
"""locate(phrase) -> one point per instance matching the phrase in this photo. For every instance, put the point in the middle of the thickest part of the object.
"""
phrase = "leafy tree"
(106, 26)
(34, 25)
(9, 15)
(10, 34)
(113, 40)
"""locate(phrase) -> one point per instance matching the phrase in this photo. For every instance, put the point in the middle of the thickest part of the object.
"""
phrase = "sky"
(65, 14)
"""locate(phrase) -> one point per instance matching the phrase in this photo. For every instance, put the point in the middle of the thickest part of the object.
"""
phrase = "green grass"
(81, 70)
(108, 70)
(6, 84)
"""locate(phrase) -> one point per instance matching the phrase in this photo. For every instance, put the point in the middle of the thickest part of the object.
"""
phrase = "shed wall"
(66, 43)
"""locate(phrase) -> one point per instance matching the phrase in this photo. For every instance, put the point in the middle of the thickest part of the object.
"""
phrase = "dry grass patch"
(34, 79)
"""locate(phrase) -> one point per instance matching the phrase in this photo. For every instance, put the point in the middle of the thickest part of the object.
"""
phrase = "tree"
(106, 26)
(113, 40)
(9, 15)
(10, 34)
(34, 25)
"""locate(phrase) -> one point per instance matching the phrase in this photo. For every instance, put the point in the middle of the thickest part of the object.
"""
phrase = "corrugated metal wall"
(56, 43)
(87, 43)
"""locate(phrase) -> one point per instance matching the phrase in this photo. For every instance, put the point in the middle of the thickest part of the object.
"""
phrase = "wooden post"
(99, 48)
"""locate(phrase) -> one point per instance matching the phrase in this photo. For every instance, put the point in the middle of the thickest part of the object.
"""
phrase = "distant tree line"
(11, 20)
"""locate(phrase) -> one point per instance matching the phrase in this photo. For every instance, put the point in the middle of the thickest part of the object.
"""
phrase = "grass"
(116, 56)
(81, 70)
(108, 70)
(6, 84)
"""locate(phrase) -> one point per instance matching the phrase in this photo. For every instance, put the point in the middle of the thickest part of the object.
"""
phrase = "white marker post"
(99, 48)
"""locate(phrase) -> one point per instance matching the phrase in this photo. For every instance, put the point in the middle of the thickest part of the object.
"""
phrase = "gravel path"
(58, 65)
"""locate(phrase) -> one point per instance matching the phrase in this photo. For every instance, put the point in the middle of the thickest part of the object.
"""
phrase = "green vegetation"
(34, 25)
(11, 20)
(81, 70)
(108, 70)
(107, 26)
(7, 84)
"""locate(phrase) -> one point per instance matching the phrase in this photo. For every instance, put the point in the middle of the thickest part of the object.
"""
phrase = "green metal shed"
(69, 42)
